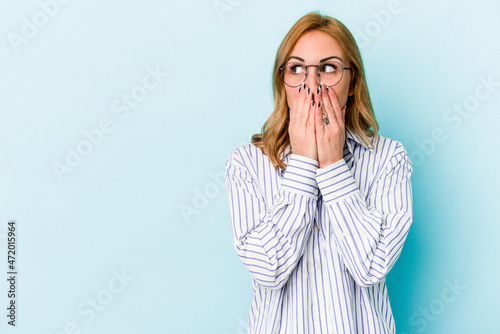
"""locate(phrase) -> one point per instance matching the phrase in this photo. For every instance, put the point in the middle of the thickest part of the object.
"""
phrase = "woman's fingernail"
(317, 91)
(300, 88)
(308, 91)
(319, 104)
(312, 103)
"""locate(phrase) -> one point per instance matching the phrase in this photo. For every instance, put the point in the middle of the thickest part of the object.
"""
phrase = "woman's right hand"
(302, 126)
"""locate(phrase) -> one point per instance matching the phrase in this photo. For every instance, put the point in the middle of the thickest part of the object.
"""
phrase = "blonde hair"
(360, 118)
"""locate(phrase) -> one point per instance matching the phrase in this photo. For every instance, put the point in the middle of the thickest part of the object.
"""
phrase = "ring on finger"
(325, 120)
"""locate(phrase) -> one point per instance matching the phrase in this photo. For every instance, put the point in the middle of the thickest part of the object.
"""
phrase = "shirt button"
(316, 227)
(321, 303)
(318, 265)
(344, 234)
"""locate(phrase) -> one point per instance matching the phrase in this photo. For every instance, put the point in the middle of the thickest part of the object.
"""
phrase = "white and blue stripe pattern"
(319, 242)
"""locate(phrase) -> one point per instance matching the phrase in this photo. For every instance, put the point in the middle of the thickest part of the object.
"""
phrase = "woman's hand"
(330, 138)
(301, 128)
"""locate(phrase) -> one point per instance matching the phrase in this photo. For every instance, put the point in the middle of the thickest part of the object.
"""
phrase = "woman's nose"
(312, 79)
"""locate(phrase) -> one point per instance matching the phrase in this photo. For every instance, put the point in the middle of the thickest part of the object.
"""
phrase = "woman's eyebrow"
(322, 60)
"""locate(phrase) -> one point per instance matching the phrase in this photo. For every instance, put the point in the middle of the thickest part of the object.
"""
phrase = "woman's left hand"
(330, 138)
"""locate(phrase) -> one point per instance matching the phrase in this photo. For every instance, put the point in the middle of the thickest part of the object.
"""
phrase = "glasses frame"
(317, 73)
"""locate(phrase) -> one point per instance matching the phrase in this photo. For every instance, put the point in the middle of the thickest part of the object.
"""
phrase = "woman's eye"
(296, 69)
(329, 68)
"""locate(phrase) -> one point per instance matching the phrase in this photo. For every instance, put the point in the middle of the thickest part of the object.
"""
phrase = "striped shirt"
(318, 242)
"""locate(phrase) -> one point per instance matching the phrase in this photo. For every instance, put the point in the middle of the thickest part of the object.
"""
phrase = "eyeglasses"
(329, 73)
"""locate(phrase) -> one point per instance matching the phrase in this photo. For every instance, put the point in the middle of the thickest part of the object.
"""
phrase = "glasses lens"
(294, 74)
(330, 73)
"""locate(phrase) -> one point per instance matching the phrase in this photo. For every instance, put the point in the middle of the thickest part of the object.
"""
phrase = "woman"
(320, 203)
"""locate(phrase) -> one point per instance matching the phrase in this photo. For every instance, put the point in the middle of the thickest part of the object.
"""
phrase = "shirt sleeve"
(270, 238)
(370, 232)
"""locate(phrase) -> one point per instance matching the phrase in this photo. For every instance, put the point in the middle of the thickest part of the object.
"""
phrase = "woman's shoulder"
(376, 145)
(244, 155)
(390, 151)
(387, 144)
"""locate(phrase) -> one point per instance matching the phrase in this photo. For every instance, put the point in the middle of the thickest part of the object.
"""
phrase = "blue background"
(147, 202)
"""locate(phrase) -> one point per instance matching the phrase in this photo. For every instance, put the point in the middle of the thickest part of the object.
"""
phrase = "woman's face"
(311, 48)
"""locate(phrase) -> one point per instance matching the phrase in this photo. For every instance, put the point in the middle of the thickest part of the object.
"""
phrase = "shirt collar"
(353, 138)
